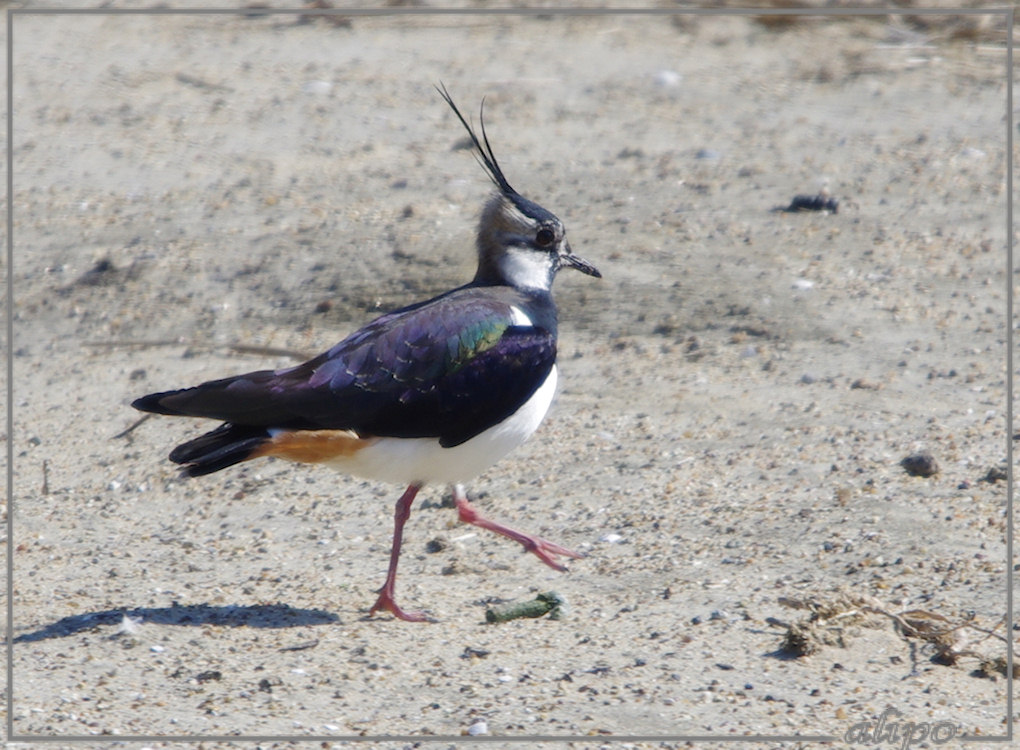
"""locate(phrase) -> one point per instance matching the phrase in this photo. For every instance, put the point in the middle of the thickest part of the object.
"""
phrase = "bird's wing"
(448, 368)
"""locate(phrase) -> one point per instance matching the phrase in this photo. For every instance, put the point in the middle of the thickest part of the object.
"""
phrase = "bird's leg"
(386, 593)
(545, 551)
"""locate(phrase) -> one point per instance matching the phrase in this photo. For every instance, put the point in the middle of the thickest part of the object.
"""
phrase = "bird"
(431, 393)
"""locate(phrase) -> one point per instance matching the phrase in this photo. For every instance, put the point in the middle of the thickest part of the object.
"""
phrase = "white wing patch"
(520, 318)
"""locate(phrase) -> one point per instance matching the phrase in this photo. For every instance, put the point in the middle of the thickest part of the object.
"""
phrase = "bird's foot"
(545, 551)
(387, 602)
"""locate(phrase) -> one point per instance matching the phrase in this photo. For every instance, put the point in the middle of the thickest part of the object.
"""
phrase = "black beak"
(573, 261)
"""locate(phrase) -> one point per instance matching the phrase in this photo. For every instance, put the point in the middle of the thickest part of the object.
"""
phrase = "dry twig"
(829, 620)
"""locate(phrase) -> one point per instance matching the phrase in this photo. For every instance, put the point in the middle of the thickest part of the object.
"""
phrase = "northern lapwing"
(435, 392)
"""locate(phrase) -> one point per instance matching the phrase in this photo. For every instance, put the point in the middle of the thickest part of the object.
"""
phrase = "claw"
(544, 550)
(386, 602)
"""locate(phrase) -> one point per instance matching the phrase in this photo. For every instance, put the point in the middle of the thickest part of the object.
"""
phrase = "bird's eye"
(545, 237)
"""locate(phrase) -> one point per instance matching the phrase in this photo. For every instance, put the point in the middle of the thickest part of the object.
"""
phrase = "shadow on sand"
(255, 616)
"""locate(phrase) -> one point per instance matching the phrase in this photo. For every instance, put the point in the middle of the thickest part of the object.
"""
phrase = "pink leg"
(545, 551)
(386, 593)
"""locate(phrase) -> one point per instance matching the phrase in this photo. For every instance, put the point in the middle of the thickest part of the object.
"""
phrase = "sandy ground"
(736, 394)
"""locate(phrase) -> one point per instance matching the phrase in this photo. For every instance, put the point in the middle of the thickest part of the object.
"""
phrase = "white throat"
(526, 269)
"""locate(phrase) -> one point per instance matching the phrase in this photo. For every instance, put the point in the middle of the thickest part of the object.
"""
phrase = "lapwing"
(435, 392)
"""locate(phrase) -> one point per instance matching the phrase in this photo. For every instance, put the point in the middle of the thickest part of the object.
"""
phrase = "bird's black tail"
(225, 446)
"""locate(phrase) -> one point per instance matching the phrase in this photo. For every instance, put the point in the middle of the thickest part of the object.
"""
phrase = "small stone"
(864, 384)
(668, 78)
(921, 464)
(820, 202)
(994, 474)
(438, 544)
(455, 568)
(317, 87)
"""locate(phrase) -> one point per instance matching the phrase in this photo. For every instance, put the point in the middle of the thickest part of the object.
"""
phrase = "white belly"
(424, 461)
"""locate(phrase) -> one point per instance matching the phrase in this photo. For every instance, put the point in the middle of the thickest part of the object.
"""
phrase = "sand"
(736, 394)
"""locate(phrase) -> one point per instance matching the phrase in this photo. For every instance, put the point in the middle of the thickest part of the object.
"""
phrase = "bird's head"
(520, 244)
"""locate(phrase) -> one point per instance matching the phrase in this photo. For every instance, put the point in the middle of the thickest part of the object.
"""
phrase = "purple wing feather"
(448, 368)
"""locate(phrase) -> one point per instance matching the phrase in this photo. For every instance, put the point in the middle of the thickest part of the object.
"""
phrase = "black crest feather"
(484, 154)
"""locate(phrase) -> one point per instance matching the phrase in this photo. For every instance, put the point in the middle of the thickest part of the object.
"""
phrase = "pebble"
(668, 78)
(317, 87)
(921, 464)
(129, 625)
(820, 202)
